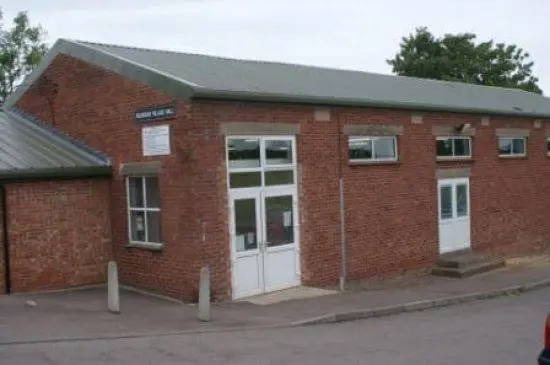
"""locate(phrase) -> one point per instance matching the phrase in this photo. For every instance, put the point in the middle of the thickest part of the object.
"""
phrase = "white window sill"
(453, 158)
(512, 156)
(374, 162)
(150, 246)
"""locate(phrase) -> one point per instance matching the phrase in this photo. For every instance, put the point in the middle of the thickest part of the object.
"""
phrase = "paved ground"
(505, 331)
(82, 314)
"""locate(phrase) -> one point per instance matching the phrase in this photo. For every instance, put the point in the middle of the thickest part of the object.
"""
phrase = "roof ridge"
(295, 64)
(57, 133)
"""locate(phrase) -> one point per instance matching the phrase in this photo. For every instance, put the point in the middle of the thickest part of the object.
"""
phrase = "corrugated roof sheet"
(30, 148)
(189, 76)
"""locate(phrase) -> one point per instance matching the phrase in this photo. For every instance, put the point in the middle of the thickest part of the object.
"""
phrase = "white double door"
(454, 214)
(264, 240)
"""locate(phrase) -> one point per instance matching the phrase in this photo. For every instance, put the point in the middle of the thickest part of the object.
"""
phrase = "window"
(261, 161)
(511, 146)
(143, 209)
(453, 147)
(372, 149)
(548, 146)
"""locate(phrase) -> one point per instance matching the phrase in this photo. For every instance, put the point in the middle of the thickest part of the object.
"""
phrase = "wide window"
(372, 149)
(511, 146)
(453, 147)
(143, 209)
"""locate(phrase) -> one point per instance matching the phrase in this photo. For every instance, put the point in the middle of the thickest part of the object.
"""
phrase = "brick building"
(274, 175)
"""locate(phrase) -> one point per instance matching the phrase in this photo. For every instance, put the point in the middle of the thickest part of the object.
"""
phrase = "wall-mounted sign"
(158, 112)
(155, 140)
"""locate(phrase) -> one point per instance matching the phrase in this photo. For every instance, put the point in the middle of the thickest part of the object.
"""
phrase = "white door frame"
(260, 193)
(454, 231)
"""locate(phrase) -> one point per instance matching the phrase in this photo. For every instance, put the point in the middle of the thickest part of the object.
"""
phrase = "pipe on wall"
(5, 239)
(343, 243)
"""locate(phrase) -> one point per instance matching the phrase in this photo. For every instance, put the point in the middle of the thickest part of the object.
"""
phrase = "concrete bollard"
(203, 313)
(113, 295)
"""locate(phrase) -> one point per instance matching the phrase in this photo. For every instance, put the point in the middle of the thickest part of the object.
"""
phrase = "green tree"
(21, 49)
(457, 57)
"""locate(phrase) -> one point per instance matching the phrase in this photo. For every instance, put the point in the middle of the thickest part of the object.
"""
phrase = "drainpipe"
(7, 270)
(343, 243)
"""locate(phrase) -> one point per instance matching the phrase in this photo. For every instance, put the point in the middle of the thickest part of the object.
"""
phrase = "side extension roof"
(29, 149)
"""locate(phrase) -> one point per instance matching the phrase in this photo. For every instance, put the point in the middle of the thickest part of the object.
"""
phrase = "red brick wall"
(59, 233)
(98, 107)
(391, 210)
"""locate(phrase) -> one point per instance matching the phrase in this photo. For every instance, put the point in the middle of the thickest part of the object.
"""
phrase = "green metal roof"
(29, 149)
(198, 76)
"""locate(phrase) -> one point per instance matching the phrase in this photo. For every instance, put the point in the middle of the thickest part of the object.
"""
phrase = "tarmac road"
(504, 331)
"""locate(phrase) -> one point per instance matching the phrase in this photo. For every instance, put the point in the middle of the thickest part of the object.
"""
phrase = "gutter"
(5, 239)
(56, 173)
(311, 100)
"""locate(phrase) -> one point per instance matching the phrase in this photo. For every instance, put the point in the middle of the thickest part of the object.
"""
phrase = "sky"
(350, 34)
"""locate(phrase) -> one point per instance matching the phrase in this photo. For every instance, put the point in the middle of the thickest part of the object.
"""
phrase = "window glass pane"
(444, 147)
(446, 208)
(279, 222)
(279, 177)
(504, 146)
(243, 153)
(152, 192)
(462, 200)
(462, 146)
(245, 179)
(136, 191)
(245, 225)
(360, 149)
(137, 226)
(153, 227)
(278, 152)
(548, 146)
(518, 146)
(384, 148)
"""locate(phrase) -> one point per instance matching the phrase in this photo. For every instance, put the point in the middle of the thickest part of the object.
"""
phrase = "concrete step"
(463, 270)
(460, 259)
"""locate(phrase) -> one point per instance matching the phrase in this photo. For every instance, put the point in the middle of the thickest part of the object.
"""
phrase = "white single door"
(281, 260)
(246, 239)
(454, 214)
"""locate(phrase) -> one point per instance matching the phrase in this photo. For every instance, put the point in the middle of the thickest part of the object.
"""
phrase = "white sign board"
(155, 140)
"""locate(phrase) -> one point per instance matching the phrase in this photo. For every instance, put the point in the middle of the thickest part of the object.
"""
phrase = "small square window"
(453, 147)
(373, 149)
(511, 146)
(143, 197)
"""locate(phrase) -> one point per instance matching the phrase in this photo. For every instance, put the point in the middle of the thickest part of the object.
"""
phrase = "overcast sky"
(355, 34)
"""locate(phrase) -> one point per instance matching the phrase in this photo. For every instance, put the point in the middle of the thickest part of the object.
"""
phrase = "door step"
(465, 263)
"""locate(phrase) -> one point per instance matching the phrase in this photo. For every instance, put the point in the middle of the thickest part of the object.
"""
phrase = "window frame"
(263, 167)
(373, 160)
(454, 156)
(512, 154)
(145, 209)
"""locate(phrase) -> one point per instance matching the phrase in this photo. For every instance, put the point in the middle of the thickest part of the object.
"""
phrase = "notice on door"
(155, 140)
